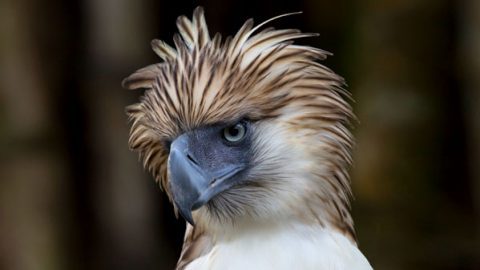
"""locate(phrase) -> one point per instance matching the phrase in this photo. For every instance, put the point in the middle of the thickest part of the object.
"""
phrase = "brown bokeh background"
(72, 196)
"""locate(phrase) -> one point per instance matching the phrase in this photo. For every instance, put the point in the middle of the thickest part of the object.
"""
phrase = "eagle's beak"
(191, 184)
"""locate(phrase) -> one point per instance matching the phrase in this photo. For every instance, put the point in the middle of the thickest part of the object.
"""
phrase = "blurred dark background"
(72, 196)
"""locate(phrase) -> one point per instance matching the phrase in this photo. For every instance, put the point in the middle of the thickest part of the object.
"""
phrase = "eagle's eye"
(235, 133)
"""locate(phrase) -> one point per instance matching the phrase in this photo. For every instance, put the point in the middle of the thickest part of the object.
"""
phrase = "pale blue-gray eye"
(234, 133)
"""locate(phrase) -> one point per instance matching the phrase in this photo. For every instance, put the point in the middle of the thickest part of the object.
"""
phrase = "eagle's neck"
(286, 245)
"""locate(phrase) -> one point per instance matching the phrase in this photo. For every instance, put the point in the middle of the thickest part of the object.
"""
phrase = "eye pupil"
(234, 133)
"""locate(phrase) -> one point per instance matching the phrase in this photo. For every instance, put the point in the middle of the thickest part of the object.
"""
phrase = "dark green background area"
(72, 196)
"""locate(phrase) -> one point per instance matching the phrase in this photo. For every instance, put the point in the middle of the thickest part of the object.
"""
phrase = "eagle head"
(247, 129)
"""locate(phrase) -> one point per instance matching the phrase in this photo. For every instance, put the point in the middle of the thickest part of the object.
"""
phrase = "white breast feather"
(292, 247)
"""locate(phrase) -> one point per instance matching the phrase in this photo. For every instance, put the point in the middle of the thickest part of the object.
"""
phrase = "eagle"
(249, 138)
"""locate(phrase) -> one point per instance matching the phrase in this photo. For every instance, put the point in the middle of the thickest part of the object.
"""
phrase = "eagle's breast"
(283, 247)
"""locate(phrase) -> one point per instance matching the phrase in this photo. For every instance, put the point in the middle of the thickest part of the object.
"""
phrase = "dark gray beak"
(191, 183)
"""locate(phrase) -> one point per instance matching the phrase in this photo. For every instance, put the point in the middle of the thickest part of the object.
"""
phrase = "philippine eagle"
(249, 138)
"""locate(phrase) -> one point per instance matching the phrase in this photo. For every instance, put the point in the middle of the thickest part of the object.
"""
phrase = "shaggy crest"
(255, 75)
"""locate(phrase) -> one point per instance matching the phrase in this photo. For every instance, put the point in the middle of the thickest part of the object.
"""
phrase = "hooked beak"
(193, 185)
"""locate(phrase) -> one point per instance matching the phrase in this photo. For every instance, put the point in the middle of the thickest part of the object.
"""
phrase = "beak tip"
(187, 215)
(191, 222)
(189, 219)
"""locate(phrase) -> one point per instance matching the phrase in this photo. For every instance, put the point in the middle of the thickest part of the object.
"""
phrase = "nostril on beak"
(214, 180)
(190, 157)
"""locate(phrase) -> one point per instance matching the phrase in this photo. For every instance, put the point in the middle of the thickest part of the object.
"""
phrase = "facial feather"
(301, 146)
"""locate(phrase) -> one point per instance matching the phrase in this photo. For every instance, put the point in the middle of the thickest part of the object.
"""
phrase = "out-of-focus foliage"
(72, 196)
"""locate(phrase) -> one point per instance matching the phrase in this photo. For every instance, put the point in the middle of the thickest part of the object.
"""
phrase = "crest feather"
(163, 50)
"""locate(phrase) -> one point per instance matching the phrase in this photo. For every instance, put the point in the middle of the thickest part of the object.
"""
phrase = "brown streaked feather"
(163, 50)
(200, 25)
(142, 78)
(185, 28)
(196, 243)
